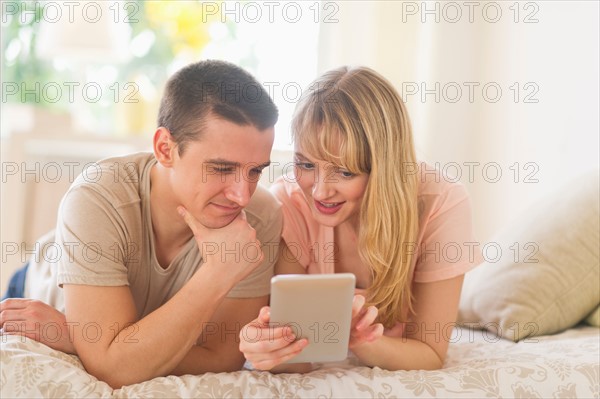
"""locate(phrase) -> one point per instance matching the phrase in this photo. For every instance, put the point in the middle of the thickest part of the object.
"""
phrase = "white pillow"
(558, 285)
(593, 318)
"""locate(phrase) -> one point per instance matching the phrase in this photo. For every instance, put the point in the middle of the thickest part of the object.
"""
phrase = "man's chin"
(218, 222)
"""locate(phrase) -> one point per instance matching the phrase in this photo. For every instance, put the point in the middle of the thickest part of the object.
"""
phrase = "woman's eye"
(345, 173)
(305, 165)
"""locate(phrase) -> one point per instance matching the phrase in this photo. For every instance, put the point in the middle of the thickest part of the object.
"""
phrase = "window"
(105, 62)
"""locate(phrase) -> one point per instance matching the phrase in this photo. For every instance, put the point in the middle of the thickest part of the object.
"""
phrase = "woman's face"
(333, 194)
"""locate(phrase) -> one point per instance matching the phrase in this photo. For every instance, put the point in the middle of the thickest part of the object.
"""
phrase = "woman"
(360, 202)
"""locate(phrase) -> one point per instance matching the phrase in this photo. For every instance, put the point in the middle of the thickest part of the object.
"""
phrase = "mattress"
(479, 364)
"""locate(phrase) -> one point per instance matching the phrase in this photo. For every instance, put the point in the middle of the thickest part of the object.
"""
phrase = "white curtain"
(516, 86)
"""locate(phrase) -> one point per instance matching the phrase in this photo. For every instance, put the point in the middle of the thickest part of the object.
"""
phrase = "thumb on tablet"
(264, 315)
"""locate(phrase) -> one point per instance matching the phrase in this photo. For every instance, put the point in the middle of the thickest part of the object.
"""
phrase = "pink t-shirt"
(445, 245)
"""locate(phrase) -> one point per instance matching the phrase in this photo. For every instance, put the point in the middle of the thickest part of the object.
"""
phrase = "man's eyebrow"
(221, 161)
(225, 162)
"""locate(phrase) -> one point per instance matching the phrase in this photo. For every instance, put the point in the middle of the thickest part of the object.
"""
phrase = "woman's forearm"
(398, 353)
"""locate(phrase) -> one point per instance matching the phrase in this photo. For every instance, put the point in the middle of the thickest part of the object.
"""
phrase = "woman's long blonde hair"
(354, 117)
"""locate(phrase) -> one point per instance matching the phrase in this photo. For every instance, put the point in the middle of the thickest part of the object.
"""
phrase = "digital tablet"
(317, 307)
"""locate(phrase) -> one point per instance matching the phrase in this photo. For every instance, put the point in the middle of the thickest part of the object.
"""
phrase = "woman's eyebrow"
(299, 155)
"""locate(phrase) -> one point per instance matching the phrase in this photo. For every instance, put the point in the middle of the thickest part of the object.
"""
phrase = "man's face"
(217, 174)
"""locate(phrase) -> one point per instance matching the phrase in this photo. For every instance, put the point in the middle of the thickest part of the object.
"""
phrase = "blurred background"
(502, 95)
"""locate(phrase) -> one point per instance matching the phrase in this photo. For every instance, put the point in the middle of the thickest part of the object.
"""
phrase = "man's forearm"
(200, 360)
(156, 344)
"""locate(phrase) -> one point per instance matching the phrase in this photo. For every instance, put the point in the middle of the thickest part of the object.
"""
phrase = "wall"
(416, 44)
(37, 169)
(550, 130)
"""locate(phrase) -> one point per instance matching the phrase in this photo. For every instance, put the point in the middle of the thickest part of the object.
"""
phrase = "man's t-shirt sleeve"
(264, 214)
(90, 235)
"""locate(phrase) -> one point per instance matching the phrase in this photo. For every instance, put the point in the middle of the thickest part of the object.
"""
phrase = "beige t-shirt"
(104, 237)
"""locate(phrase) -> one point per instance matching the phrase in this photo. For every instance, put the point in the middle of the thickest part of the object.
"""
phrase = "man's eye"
(223, 170)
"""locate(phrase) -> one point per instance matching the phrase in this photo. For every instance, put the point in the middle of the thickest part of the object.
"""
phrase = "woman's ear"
(164, 147)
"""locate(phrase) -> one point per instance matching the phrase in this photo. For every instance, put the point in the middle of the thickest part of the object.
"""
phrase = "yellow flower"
(182, 22)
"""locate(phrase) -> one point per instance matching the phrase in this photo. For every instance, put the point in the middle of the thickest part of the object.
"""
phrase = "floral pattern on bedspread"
(565, 365)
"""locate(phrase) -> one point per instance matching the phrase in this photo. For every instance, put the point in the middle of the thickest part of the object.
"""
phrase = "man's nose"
(239, 191)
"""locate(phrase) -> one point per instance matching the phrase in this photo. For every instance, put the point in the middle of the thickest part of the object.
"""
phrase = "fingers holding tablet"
(363, 328)
(312, 318)
(269, 360)
(265, 346)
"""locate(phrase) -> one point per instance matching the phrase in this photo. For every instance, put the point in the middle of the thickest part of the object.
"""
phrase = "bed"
(479, 364)
(536, 344)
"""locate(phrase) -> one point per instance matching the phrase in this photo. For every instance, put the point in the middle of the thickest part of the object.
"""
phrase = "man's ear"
(164, 147)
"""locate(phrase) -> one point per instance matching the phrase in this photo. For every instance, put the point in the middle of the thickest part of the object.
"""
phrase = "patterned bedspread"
(478, 365)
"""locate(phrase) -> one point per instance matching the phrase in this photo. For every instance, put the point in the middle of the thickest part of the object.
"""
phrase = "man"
(163, 257)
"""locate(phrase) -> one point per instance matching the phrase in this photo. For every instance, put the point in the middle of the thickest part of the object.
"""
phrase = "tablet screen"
(317, 307)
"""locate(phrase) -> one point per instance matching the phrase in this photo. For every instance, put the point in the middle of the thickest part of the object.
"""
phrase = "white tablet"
(317, 307)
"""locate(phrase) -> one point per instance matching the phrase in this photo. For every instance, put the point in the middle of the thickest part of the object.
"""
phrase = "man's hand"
(235, 245)
(36, 320)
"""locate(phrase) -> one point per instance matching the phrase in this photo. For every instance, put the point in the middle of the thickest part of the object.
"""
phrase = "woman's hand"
(362, 328)
(266, 347)
(36, 320)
